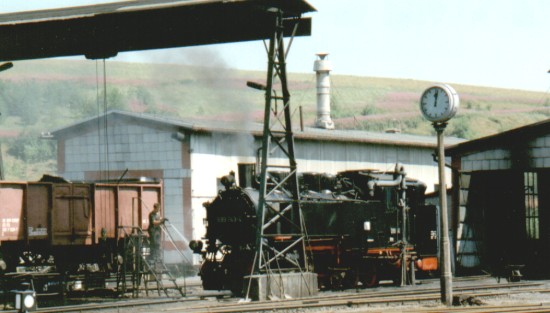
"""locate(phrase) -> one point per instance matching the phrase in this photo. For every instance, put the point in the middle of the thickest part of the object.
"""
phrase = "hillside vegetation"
(40, 96)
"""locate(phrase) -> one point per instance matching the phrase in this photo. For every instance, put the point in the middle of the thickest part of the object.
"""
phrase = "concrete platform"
(282, 286)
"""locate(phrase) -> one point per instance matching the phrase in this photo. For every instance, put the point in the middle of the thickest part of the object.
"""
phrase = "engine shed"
(191, 155)
(502, 214)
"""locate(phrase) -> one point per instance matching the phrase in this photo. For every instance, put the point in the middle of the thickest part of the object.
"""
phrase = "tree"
(30, 148)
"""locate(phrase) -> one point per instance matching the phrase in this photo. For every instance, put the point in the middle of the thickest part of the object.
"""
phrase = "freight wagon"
(54, 225)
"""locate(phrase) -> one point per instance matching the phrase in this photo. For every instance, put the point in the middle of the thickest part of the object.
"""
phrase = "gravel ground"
(513, 298)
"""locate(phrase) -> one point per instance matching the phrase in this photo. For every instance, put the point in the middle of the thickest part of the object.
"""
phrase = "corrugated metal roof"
(508, 139)
(101, 31)
(256, 129)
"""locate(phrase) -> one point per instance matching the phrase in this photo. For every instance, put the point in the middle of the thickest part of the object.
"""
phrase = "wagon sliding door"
(71, 214)
(129, 206)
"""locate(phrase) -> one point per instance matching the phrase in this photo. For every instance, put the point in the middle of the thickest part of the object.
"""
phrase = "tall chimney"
(322, 67)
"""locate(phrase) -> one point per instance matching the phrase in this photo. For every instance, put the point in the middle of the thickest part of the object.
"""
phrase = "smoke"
(225, 90)
(206, 67)
(205, 62)
(236, 144)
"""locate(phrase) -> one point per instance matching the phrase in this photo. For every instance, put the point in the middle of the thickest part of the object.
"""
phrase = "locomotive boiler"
(361, 226)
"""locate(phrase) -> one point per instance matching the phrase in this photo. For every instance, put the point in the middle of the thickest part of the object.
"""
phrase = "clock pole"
(439, 104)
(445, 252)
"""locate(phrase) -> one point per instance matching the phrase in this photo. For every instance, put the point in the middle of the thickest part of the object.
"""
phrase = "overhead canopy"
(101, 31)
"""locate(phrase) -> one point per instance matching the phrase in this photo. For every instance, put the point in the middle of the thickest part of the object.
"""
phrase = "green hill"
(43, 95)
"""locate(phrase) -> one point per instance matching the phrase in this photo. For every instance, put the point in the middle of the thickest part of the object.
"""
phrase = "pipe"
(398, 181)
(323, 67)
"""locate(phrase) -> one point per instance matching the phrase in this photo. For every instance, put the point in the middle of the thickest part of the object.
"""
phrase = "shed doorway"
(508, 211)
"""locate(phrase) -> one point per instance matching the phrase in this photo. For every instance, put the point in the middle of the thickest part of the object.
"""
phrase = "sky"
(495, 43)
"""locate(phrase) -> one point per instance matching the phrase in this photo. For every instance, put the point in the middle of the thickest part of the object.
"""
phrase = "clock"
(439, 103)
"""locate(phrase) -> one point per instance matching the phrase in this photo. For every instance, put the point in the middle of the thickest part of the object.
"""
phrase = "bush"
(462, 128)
(32, 149)
(369, 110)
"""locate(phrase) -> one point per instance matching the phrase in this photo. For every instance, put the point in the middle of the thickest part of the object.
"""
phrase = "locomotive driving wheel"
(370, 277)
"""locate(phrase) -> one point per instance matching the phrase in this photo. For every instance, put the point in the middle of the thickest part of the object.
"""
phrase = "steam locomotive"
(363, 226)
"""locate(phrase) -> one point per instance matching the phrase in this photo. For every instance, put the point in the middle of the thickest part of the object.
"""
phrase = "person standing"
(155, 232)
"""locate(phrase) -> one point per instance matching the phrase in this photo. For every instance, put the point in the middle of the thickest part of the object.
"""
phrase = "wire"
(103, 198)
(105, 107)
(98, 119)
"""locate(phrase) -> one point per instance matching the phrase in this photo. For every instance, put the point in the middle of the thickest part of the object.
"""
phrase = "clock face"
(439, 103)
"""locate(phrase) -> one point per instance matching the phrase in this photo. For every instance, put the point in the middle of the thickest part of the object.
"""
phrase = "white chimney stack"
(323, 67)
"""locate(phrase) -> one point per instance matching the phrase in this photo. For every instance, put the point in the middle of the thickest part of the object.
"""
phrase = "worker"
(155, 232)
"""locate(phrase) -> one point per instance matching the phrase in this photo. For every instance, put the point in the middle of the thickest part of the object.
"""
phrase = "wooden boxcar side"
(70, 219)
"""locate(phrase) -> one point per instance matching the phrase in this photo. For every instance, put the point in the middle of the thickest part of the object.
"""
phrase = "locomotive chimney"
(322, 67)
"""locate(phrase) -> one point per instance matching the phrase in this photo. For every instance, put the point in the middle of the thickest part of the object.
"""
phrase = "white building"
(190, 156)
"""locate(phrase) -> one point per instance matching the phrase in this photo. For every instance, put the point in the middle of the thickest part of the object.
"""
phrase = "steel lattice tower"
(286, 215)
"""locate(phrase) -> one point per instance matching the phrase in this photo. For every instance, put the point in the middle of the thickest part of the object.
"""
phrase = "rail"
(367, 300)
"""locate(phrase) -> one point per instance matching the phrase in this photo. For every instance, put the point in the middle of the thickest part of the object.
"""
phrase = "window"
(530, 184)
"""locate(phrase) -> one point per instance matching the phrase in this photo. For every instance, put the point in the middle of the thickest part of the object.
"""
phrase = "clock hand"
(435, 98)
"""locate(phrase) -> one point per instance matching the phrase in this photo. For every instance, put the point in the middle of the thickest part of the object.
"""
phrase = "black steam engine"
(362, 227)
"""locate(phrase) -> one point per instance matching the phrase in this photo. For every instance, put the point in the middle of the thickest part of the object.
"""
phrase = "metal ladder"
(154, 272)
(136, 264)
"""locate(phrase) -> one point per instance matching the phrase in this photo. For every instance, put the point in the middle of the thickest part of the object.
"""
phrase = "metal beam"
(102, 31)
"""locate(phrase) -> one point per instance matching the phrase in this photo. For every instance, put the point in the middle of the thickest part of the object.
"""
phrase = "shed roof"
(508, 139)
(101, 31)
(256, 129)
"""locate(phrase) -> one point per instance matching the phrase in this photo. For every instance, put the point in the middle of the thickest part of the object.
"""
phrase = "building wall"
(141, 149)
(332, 157)
(498, 159)
(532, 154)
(191, 165)
(215, 155)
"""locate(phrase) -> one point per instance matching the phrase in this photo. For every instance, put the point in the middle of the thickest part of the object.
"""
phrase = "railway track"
(522, 308)
(409, 299)
(366, 301)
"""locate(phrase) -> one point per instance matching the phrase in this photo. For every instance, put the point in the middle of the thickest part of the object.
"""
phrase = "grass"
(64, 91)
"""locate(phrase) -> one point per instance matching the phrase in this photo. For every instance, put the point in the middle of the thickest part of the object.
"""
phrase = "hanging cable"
(100, 176)
(105, 107)
(98, 119)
